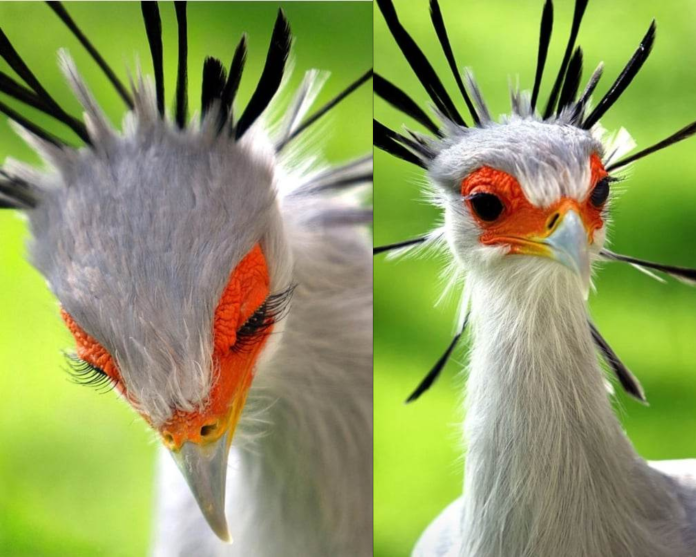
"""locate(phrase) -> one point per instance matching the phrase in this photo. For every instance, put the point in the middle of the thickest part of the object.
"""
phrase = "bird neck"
(549, 470)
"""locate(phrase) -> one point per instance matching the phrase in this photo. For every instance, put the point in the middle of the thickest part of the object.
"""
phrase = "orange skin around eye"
(90, 350)
(245, 292)
(520, 219)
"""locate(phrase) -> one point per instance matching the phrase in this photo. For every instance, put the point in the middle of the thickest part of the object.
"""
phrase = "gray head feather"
(138, 236)
(549, 160)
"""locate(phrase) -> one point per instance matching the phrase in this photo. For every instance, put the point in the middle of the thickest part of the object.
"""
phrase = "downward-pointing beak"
(205, 469)
(569, 246)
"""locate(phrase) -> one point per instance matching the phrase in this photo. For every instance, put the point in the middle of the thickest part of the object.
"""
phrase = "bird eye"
(255, 323)
(486, 206)
(600, 193)
(84, 373)
(259, 324)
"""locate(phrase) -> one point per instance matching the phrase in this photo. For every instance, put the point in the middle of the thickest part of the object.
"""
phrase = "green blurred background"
(76, 467)
(418, 455)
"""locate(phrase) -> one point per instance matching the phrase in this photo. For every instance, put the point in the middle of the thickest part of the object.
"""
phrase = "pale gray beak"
(205, 469)
(569, 246)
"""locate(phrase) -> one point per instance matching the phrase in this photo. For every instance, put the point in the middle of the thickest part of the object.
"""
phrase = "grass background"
(77, 468)
(418, 455)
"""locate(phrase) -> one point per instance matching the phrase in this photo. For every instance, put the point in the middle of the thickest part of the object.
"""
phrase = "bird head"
(166, 253)
(164, 256)
(524, 188)
(527, 194)
(163, 243)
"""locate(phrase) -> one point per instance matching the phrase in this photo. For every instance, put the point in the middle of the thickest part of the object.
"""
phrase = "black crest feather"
(18, 92)
(419, 63)
(580, 6)
(544, 41)
(398, 245)
(271, 76)
(684, 133)
(628, 381)
(214, 77)
(572, 81)
(391, 142)
(61, 12)
(181, 106)
(328, 106)
(624, 80)
(435, 372)
(683, 274)
(153, 28)
(402, 102)
(15, 193)
(233, 80)
(441, 30)
(15, 61)
(33, 128)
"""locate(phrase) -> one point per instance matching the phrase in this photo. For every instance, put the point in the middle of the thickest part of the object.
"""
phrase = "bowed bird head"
(164, 243)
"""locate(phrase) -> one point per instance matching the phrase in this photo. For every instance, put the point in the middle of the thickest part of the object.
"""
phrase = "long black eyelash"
(269, 313)
(84, 373)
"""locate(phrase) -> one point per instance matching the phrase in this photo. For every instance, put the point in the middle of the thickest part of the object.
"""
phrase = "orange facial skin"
(90, 350)
(246, 291)
(520, 220)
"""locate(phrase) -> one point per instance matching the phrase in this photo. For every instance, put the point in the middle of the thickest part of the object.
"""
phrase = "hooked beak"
(205, 469)
(202, 459)
(568, 245)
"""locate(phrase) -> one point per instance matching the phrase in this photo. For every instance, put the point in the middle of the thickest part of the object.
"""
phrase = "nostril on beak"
(552, 221)
(168, 439)
(209, 429)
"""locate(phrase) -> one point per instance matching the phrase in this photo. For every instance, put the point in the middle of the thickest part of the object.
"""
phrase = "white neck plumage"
(549, 470)
(304, 487)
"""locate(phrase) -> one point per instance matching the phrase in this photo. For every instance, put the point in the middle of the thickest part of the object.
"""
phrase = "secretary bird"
(219, 283)
(549, 472)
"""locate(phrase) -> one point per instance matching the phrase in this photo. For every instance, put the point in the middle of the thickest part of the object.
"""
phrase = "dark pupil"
(486, 205)
(600, 193)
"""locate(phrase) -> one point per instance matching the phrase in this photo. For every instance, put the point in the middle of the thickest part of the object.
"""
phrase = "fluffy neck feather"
(549, 470)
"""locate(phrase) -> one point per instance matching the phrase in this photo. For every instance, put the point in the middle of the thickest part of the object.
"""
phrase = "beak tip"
(221, 531)
(205, 469)
(215, 517)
